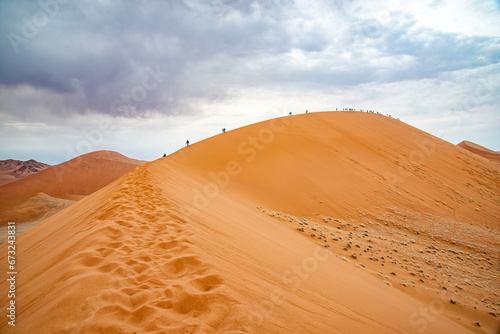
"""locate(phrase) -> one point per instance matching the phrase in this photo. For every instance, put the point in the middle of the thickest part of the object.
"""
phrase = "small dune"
(71, 180)
(480, 150)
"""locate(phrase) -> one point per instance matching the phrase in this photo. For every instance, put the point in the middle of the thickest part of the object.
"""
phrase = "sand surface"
(6, 178)
(340, 222)
(71, 180)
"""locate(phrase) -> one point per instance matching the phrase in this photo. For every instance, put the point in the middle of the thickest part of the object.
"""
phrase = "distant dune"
(71, 180)
(33, 211)
(11, 170)
(338, 222)
(480, 150)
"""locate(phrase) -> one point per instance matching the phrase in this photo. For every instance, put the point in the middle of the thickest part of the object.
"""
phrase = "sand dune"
(70, 180)
(35, 210)
(480, 150)
(6, 178)
(218, 238)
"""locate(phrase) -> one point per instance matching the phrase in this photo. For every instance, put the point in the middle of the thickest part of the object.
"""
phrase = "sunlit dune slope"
(480, 150)
(70, 180)
(178, 245)
(4, 179)
(345, 163)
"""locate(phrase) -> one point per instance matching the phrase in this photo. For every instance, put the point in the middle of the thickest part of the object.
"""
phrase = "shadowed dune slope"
(480, 150)
(178, 246)
(73, 179)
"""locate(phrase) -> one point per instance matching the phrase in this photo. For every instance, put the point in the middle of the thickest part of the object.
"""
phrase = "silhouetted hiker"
(187, 142)
(164, 155)
(307, 111)
(223, 130)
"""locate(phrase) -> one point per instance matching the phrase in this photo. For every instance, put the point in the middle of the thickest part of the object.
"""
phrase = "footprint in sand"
(124, 223)
(106, 251)
(159, 282)
(207, 283)
(138, 266)
(182, 266)
(112, 232)
(109, 267)
(172, 247)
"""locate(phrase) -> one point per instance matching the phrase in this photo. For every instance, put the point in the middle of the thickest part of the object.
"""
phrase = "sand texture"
(339, 222)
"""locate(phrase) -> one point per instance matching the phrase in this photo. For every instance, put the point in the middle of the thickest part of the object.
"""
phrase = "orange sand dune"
(70, 180)
(207, 241)
(6, 178)
(35, 210)
(480, 150)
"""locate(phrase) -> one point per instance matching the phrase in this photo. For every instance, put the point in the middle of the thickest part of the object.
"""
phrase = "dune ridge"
(206, 239)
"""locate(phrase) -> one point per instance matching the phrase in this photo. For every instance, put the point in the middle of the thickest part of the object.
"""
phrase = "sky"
(142, 77)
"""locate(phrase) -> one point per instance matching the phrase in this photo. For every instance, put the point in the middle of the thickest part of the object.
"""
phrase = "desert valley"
(326, 222)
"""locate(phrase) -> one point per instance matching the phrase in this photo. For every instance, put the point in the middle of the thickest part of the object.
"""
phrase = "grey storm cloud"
(116, 56)
(92, 52)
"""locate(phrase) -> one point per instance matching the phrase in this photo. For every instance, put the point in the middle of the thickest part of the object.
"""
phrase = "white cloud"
(471, 17)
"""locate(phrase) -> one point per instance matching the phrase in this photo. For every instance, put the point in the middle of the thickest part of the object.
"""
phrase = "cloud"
(92, 53)
(64, 60)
